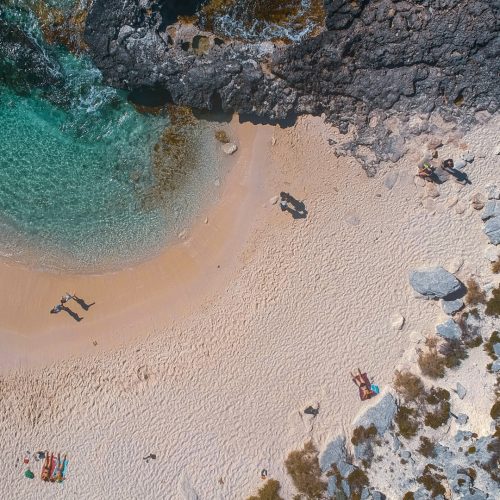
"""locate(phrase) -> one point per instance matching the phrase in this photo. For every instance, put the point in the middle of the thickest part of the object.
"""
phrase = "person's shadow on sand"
(71, 313)
(82, 303)
(297, 208)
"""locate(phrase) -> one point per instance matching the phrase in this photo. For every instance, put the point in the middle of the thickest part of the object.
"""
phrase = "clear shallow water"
(75, 170)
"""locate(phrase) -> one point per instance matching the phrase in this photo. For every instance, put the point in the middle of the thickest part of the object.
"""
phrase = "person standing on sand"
(56, 309)
(284, 201)
(66, 298)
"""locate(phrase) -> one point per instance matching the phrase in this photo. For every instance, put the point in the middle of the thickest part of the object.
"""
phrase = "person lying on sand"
(46, 466)
(56, 309)
(364, 388)
(58, 472)
(66, 298)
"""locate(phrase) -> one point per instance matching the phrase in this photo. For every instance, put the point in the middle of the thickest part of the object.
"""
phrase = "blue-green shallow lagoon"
(76, 174)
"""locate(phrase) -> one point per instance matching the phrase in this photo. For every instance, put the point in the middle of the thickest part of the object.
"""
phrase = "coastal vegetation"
(493, 305)
(270, 491)
(475, 295)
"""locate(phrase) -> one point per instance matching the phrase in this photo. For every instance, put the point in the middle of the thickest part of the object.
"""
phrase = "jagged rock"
(397, 321)
(396, 443)
(377, 495)
(492, 229)
(491, 209)
(461, 390)
(496, 349)
(462, 418)
(405, 455)
(435, 282)
(449, 330)
(390, 179)
(364, 62)
(495, 367)
(380, 414)
(229, 148)
(452, 306)
(335, 453)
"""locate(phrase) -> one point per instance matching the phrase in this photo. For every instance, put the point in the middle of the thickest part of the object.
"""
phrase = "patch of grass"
(488, 346)
(474, 295)
(409, 496)
(431, 480)
(431, 363)
(357, 480)
(474, 342)
(454, 353)
(270, 491)
(406, 420)
(495, 411)
(409, 386)
(438, 417)
(427, 447)
(471, 449)
(437, 395)
(362, 434)
(495, 266)
(493, 305)
(303, 467)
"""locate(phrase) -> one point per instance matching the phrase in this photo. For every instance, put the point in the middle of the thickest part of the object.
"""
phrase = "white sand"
(216, 391)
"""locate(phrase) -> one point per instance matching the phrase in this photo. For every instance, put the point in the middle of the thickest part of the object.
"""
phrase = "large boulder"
(435, 283)
(380, 414)
(492, 229)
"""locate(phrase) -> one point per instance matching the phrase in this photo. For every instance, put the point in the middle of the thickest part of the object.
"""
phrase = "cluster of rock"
(491, 215)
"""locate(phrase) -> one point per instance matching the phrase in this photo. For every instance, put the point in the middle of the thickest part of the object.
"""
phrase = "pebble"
(477, 201)
(493, 192)
(230, 148)
(390, 179)
(405, 454)
(273, 141)
(460, 208)
(468, 157)
(454, 265)
(397, 321)
(462, 418)
(461, 390)
(206, 220)
(451, 201)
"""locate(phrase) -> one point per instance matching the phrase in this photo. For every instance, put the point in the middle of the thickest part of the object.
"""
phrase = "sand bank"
(217, 391)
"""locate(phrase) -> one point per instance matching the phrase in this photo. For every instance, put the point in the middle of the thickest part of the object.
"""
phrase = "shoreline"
(183, 275)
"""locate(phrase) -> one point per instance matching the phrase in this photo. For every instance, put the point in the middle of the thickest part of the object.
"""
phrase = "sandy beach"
(208, 354)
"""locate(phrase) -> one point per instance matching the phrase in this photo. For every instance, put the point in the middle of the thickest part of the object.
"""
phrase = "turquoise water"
(76, 169)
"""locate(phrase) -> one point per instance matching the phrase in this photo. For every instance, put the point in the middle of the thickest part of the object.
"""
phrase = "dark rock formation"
(382, 56)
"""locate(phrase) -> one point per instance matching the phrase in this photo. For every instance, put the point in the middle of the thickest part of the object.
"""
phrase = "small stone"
(455, 265)
(459, 164)
(491, 253)
(229, 148)
(462, 418)
(468, 157)
(273, 141)
(390, 179)
(460, 208)
(451, 201)
(432, 190)
(449, 330)
(495, 367)
(496, 349)
(405, 455)
(477, 201)
(434, 143)
(206, 220)
(397, 321)
(273, 200)
(461, 390)
(451, 306)
(396, 443)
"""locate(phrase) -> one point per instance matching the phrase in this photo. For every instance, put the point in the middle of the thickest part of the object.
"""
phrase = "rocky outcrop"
(374, 56)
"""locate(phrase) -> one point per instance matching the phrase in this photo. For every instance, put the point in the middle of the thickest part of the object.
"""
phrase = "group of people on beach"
(432, 170)
(53, 469)
(63, 307)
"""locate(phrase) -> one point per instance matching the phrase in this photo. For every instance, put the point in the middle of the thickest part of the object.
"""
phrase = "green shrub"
(427, 447)
(437, 395)
(303, 467)
(408, 385)
(439, 417)
(471, 450)
(431, 364)
(270, 491)
(432, 481)
(406, 420)
(493, 305)
(409, 496)
(362, 434)
(357, 480)
(454, 353)
(221, 136)
(495, 411)
(474, 295)
(474, 341)
(488, 346)
(495, 266)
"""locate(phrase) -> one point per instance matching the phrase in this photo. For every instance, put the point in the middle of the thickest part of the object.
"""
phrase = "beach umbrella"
(29, 474)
